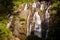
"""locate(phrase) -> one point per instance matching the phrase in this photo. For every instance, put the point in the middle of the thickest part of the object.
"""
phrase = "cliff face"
(22, 23)
(33, 18)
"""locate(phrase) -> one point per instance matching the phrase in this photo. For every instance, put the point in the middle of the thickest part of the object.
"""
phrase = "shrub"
(4, 32)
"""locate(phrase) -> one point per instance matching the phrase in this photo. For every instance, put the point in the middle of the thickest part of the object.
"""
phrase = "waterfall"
(28, 29)
(10, 20)
(25, 8)
(42, 7)
(34, 5)
(37, 20)
(47, 16)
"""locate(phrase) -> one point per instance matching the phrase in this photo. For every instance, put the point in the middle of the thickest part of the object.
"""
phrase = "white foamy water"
(28, 28)
(37, 29)
(10, 20)
(47, 16)
(42, 7)
(26, 6)
(34, 5)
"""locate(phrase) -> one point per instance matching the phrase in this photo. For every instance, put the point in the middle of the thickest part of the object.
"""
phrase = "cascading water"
(34, 5)
(10, 20)
(37, 21)
(47, 16)
(42, 7)
(25, 8)
(28, 28)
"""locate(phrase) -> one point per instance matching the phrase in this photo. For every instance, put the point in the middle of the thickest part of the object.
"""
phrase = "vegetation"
(4, 32)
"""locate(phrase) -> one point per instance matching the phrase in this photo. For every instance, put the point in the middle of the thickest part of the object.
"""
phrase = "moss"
(22, 19)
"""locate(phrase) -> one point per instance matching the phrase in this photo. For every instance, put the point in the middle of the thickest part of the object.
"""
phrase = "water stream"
(47, 16)
(10, 20)
(37, 29)
(28, 28)
(42, 7)
(33, 5)
(26, 6)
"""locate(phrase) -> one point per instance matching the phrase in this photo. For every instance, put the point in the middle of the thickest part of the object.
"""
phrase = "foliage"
(4, 32)
(6, 6)
(3, 20)
(56, 8)
(9, 5)
(55, 17)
